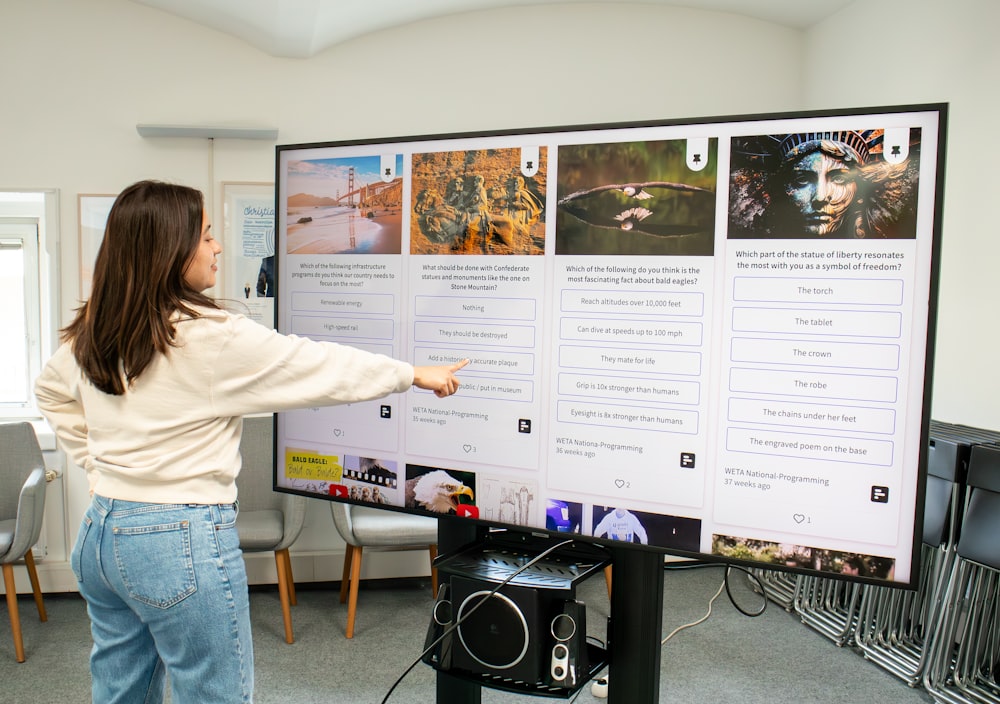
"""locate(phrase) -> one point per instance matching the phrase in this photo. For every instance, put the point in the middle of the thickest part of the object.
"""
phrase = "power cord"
(758, 586)
(702, 619)
(727, 586)
(599, 687)
(459, 622)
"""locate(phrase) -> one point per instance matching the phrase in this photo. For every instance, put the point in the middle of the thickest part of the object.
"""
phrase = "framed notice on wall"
(248, 232)
(92, 212)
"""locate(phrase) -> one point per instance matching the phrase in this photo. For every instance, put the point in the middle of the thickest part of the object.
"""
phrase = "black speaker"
(498, 634)
(438, 642)
(529, 635)
(568, 661)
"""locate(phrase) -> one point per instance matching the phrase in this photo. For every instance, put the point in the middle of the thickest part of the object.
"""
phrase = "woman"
(820, 182)
(147, 394)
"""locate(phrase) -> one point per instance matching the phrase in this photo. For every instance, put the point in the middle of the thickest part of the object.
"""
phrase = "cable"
(576, 696)
(459, 622)
(758, 587)
(701, 620)
(726, 585)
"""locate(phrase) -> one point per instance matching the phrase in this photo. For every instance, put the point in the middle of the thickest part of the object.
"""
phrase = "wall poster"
(248, 226)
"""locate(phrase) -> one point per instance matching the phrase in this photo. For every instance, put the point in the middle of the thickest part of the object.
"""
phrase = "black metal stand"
(453, 534)
(636, 626)
(634, 632)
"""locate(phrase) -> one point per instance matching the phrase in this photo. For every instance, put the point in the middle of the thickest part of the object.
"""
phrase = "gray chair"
(22, 504)
(362, 527)
(965, 662)
(897, 628)
(268, 520)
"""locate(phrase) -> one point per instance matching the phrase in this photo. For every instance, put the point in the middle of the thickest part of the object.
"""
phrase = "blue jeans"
(166, 591)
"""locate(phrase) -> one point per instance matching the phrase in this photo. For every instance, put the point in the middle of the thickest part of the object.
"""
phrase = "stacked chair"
(945, 635)
(829, 606)
(779, 587)
(896, 628)
(964, 662)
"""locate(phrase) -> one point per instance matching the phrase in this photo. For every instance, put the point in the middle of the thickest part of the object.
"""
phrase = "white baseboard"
(55, 577)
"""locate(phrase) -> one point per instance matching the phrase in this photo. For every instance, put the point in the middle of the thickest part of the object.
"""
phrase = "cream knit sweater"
(174, 436)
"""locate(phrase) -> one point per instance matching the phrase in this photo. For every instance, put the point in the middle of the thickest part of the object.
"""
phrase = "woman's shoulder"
(206, 321)
(205, 314)
(200, 321)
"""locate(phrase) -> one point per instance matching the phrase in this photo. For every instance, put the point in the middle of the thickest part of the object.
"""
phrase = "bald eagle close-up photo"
(436, 491)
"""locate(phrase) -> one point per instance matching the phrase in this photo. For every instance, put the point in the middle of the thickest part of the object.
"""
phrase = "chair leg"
(345, 580)
(29, 562)
(607, 578)
(292, 599)
(434, 572)
(352, 602)
(15, 619)
(282, 560)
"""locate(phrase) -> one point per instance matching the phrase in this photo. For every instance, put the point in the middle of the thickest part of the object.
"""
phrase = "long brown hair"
(152, 232)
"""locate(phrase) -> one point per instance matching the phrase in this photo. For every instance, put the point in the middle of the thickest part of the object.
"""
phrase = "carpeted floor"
(729, 659)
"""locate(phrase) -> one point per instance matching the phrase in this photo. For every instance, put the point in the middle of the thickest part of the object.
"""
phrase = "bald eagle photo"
(435, 491)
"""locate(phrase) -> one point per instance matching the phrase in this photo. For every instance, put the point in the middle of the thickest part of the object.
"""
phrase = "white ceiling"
(304, 28)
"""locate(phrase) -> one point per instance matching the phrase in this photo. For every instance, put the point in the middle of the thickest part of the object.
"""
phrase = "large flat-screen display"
(708, 337)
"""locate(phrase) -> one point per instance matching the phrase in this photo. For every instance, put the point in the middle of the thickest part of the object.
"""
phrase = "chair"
(965, 663)
(829, 607)
(897, 628)
(268, 520)
(22, 504)
(362, 527)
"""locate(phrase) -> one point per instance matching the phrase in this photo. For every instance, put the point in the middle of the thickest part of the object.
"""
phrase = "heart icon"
(338, 432)
(619, 483)
(467, 448)
(798, 518)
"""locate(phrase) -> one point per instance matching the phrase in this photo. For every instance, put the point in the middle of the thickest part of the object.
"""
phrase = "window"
(28, 304)
(19, 346)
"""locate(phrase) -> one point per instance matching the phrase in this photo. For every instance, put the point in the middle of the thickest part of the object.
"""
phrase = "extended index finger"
(458, 365)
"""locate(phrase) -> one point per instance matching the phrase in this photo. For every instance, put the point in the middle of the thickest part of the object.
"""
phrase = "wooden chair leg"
(345, 580)
(607, 578)
(352, 602)
(29, 562)
(282, 559)
(292, 599)
(15, 619)
(434, 572)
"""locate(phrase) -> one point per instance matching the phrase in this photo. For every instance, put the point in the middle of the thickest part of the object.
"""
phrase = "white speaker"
(568, 661)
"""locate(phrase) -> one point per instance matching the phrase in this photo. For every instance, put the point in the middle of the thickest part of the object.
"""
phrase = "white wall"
(78, 76)
(896, 52)
(90, 70)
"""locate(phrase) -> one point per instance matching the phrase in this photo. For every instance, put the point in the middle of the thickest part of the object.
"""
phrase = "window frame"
(37, 208)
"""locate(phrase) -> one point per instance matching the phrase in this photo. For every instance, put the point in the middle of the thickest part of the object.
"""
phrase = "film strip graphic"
(377, 475)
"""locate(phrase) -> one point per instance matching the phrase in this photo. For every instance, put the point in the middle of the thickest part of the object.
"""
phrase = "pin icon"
(529, 161)
(388, 167)
(697, 153)
(896, 144)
